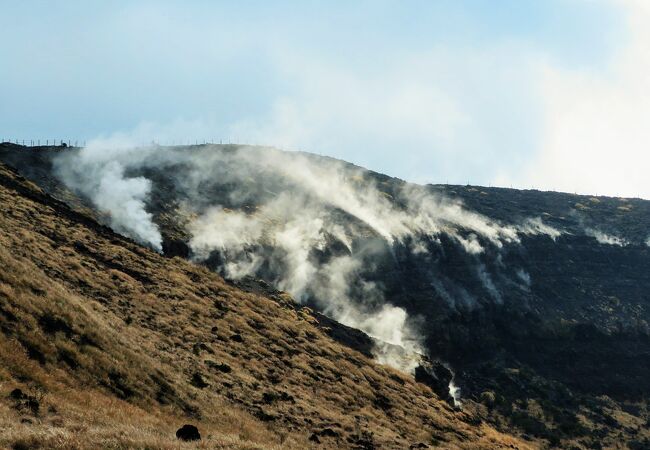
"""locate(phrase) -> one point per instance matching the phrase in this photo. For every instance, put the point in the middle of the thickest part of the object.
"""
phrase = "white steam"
(98, 173)
(454, 392)
(492, 290)
(295, 230)
(524, 277)
(606, 239)
(537, 226)
(298, 223)
(310, 225)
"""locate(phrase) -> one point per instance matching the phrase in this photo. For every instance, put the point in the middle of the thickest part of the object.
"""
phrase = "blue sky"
(430, 91)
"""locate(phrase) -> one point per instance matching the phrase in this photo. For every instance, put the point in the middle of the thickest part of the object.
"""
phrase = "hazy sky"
(547, 93)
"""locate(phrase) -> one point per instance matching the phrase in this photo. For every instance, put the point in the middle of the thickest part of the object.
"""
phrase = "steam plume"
(313, 226)
(97, 172)
(606, 239)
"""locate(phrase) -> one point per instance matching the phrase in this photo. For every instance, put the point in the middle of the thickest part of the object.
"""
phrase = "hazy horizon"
(517, 94)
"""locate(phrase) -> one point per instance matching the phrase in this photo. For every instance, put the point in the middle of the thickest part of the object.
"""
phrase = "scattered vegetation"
(106, 344)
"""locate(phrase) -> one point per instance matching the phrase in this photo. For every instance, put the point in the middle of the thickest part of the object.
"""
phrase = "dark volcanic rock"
(175, 247)
(24, 402)
(17, 394)
(225, 368)
(270, 397)
(188, 433)
(198, 381)
(437, 377)
(328, 432)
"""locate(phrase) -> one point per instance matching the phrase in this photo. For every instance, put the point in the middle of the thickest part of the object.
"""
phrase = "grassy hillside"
(106, 344)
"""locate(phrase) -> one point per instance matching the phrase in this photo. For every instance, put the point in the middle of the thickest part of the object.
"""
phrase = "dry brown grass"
(111, 336)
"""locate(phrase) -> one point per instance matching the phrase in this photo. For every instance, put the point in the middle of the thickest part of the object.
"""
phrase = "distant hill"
(539, 302)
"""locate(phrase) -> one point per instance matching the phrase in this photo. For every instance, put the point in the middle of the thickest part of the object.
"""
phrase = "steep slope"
(104, 343)
(539, 301)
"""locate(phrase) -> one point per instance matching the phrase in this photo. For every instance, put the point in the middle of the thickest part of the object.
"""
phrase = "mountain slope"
(112, 345)
(538, 301)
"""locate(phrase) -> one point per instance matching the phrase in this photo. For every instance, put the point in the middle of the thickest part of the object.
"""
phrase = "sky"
(551, 94)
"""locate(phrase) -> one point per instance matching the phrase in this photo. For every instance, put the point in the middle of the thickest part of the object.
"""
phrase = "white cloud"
(595, 135)
(438, 115)
(506, 110)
